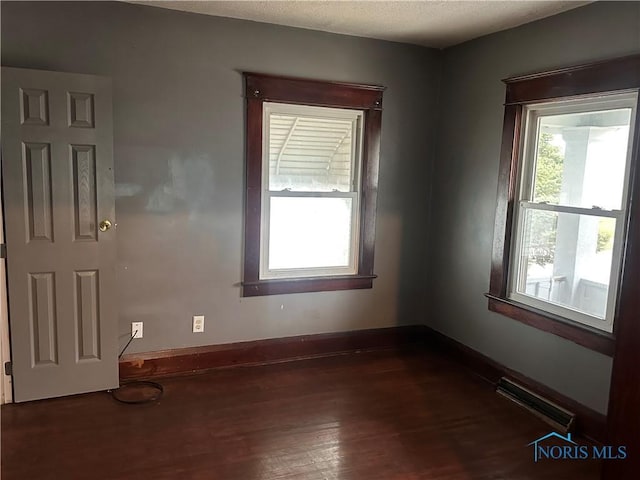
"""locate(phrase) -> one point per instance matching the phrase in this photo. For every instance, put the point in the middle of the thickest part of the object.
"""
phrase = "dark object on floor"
(139, 391)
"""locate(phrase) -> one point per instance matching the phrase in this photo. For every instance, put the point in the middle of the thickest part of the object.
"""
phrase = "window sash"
(350, 269)
(567, 312)
(552, 207)
(356, 117)
(531, 124)
(293, 194)
(528, 150)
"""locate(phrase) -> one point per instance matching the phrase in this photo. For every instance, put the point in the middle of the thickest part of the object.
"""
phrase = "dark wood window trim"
(607, 76)
(581, 334)
(260, 88)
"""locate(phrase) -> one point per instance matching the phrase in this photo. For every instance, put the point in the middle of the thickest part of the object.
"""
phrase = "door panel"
(85, 202)
(57, 165)
(37, 171)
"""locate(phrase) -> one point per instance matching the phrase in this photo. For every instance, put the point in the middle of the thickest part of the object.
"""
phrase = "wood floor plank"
(377, 415)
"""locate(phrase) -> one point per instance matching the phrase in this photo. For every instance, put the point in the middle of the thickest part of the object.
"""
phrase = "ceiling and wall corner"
(429, 23)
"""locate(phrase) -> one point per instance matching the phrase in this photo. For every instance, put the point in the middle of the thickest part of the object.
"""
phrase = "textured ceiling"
(423, 22)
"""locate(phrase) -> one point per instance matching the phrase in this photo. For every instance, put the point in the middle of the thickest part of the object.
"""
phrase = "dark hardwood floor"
(368, 416)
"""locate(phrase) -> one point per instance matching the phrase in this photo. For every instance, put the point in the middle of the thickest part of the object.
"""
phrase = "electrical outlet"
(136, 329)
(198, 323)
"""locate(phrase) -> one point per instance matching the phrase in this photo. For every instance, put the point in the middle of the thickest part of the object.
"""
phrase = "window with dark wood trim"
(603, 81)
(295, 128)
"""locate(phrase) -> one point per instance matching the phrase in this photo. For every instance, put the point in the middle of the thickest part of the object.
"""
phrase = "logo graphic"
(570, 450)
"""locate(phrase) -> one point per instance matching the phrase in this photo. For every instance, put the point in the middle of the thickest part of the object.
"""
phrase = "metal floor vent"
(551, 413)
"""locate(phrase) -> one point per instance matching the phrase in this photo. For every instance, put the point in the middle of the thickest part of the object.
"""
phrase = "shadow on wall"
(166, 209)
(175, 182)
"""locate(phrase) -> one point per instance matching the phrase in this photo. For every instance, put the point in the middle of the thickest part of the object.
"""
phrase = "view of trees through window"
(549, 172)
(549, 167)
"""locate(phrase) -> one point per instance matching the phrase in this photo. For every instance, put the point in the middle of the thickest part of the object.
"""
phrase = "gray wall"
(179, 154)
(179, 160)
(465, 183)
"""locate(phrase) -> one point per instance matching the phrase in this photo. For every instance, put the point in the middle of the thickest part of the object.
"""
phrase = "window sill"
(304, 285)
(588, 337)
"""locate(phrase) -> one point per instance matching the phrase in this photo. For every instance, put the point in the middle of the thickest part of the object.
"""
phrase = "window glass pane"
(566, 259)
(310, 232)
(581, 158)
(310, 154)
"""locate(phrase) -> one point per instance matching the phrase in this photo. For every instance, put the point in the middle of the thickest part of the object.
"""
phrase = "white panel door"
(57, 165)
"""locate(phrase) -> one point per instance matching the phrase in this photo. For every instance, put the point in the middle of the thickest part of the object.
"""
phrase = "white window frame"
(524, 201)
(356, 116)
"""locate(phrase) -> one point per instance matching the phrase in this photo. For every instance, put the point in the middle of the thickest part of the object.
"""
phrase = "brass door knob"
(104, 225)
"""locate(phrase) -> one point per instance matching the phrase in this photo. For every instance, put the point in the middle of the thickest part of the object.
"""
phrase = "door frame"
(6, 387)
(6, 390)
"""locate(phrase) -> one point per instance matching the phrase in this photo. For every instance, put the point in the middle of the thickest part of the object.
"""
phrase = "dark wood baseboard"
(589, 423)
(196, 359)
